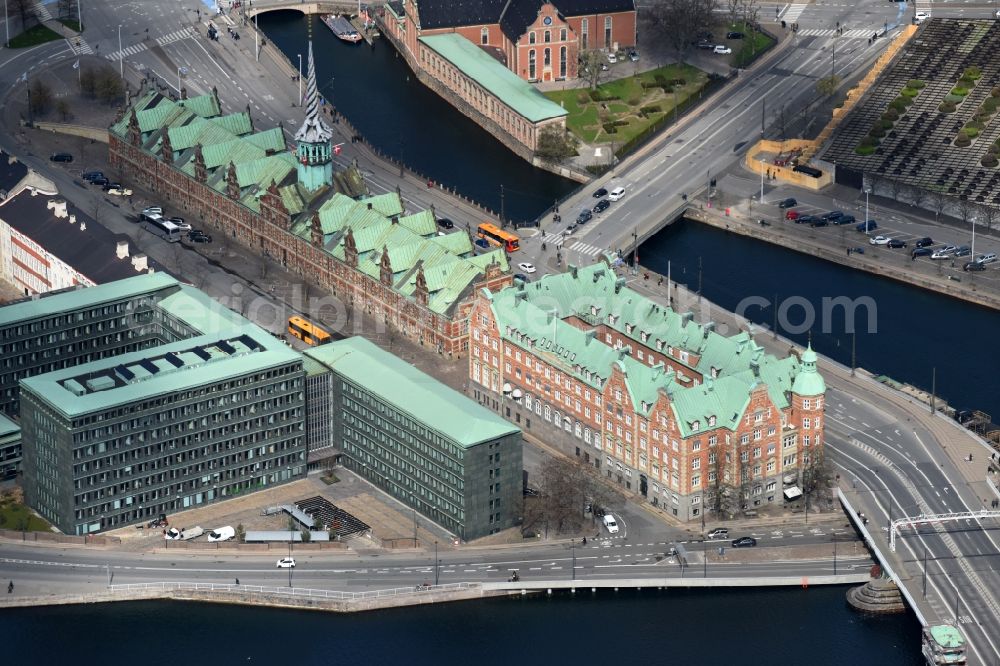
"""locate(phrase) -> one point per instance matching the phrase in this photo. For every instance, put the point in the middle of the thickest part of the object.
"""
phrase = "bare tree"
(965, 209)
(591, 71)
(751, 10)
(895, 186)
(815, 475)
(918, 196)
(990, 215)
(566, 487)
(23, 10)
(733, 9)
(67, 9)
(679, 21)
(938, 201)
(40, 97)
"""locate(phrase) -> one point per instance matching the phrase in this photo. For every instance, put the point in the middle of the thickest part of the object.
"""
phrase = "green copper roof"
(485, 70)
(387, 204)
(205, 106)
(947, 636)
(401, 385)
(808, 381)
(199, 311)
(80, 298)
(8, 427)
(242, 358)
(237, 123)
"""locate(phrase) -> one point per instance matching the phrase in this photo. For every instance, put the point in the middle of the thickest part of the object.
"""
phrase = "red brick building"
(294, 209)
(669, 409)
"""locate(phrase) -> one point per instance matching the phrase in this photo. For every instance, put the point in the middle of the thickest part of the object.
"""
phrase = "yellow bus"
(307, 332)
(497, 236)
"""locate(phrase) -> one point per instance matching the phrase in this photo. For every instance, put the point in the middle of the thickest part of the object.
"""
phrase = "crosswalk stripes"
(555, 239)
(42, 12)
(129, 51)
(79, 46)
(565, 241)
(794, 12)
(584, 248)
(860, 33)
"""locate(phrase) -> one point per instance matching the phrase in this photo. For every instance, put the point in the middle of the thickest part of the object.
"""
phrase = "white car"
(920, 17)
(722, 49)
(120, 192)
(222, 534)
(526, 267)
(286, 563)
(880, 240)
(616, 194)
(609, 522)
(944, 252)
(612, 58)
(152, 210)
(173, 534)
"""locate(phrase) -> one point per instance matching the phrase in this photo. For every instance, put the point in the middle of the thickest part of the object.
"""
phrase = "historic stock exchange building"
(668, 408)
(430, 447)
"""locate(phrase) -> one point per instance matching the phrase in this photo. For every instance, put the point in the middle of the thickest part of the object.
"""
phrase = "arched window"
(531, 64)
(548, 57)
(531, 37)
(607, 32)
(562, 62)
(584, 30)
(547, 37)
(484, 36)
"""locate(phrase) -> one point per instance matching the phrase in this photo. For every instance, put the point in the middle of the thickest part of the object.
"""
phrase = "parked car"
(120, 191)
(633, 56)
(222, 534)
(602, 206)
(61, 157)
(921, 252)
(732, 34)
(445, 223)
(868, 225)
(832, 215)
(286, 563)
(924, 242)
(90, 176)
(920, 17)
(199, 238)
(805, 219)
(609, 522)
(787, 203)
(944, 252)
(963, 251)
(526, 267)
(616, 193)
(987, 258)
(111, 186)
(100, 181)
(600, 193)
(705, 45)
(973, 266)
(879, 240)
(722, 49)
(584, 216)
(181, 224)
(791, 214)
(612, 58)
(150, 210)
(718, 533)
(846, 219)
(820, 222)
(744, 542)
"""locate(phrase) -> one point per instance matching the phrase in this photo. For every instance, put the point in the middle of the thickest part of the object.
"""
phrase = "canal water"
(718, 627)
(376, 91)
(912, 332)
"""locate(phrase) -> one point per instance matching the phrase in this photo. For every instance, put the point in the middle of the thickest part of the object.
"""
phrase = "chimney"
(122, 251)
(58, 207)
(369, 205)
(590, 335)
(619, 283)
(755, 367)
(709, 327)
(72, 219)
(83, 226)
(572, 270)
(686, 318)
(139, 262)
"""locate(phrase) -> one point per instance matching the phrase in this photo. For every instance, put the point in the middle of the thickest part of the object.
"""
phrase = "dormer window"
(659, 345)
(711, 421)
(696, 425)
(628, 328)
(593, 310)
(644, 336)
(670, 351)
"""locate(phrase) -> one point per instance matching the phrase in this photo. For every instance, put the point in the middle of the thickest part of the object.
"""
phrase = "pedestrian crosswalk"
(794, 12)
(859, 33)
(41, 11)
(567, 243)
(132, 50)
(79, 46)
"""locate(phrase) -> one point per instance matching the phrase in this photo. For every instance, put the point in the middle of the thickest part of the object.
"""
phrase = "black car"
(805, 219)
(732, 34)
(600, 193)
(974, 266)
(61, 157)
(963, 251)
(744, 542)
(602, 206)
(921, 252)
(924, 242)
(584, 217)
(100, 181)
(820, 223)
(91, 176)
(200, 238)
(896, 243)
(832, 215)
(445, 223)
(865, 227)
(846, 219)
(111, 186)
(706, 45)
(522, 277)
(788, 203)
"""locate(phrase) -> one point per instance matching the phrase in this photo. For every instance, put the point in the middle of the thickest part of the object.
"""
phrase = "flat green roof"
(152, 374)
(947, 636)
(507, 86)
(421, 396)
(200, 311)
(78, 299)
(7, 427)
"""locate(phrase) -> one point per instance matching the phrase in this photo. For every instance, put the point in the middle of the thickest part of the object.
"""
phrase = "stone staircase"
(879, 596)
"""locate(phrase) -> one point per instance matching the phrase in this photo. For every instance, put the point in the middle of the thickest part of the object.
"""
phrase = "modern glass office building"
(429, 446)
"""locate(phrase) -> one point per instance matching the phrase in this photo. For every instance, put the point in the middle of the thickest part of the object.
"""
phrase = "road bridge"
(316, 7)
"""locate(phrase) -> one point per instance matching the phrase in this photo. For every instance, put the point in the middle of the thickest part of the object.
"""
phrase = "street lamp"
(762, 180)
(973, 220)
(574, 561)
(437, 565)
(79, 11)
(300, 79)
(6, 24)
(121, 54)
(868, 190)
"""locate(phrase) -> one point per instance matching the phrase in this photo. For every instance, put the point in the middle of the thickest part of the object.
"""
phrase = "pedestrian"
(848, 252)
(10, 587)
(237, 581)
(659, 282)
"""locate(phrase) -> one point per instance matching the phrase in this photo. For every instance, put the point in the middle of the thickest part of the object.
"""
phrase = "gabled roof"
(517, 16)
(453, 13)
(588, 7)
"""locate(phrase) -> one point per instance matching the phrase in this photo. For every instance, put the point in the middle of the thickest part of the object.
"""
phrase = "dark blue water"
(376, 91)
(914, 330)
(722, 627)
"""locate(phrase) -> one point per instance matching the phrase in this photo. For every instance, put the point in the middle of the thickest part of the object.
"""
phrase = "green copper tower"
(313, 148)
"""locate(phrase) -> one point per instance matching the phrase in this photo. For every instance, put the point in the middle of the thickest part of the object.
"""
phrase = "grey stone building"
(430, 447)
(10, 448)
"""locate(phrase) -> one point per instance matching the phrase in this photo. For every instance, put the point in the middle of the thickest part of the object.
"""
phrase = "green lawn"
(72, 24)
(33, 37)
(623, 100)
(16, 516)
(746, 50)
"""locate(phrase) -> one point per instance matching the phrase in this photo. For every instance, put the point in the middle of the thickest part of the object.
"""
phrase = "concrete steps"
(878, 596)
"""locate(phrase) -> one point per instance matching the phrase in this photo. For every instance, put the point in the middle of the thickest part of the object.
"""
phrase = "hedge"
(915, 83)
(962, 140)
(865, 150)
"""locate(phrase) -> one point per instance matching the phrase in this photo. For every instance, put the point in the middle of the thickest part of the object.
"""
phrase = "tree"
(815, 475)
(67, 9)
(918, 196)
(733, 9)
(895, 186)
(990, 215)
(40, 97)
(938, 201)
(751, 10)
(306, 535)
(241, 533)
(828, 85)
(555, 144)
(965, 209)
(591, 63)
(566, 486)
(679, 21)
(62, 108)
(23, 10)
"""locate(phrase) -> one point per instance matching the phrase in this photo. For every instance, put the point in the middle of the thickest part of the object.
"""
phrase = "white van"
(222, 534)
(610, 524)
(616, 194)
